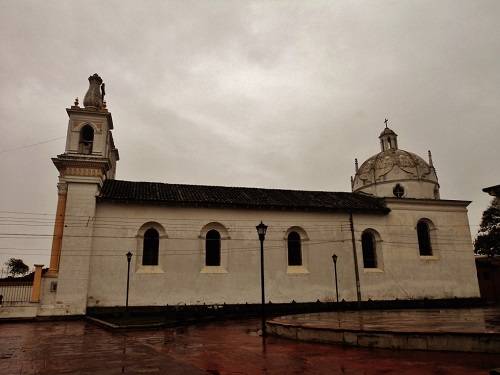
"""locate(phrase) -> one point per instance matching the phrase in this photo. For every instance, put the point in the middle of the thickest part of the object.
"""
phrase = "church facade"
(393, 235)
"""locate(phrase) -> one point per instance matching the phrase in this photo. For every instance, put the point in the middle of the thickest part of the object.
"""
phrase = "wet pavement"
(472, 321)
(231, 347)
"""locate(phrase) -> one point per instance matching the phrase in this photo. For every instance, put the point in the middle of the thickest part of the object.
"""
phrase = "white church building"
(393, 235)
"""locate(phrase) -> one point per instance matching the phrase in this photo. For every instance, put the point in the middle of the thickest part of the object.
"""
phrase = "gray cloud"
(274, 94)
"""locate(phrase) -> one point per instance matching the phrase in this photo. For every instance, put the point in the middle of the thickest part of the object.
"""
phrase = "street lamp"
(129, 257)
(334, 258)
(261, 231)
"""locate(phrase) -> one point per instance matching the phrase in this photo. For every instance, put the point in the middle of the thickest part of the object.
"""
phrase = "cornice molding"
(79, 166)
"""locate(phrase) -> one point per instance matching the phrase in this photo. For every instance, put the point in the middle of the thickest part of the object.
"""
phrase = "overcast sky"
(278, 94)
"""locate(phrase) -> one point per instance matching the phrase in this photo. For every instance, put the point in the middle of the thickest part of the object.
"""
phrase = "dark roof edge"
(246, 187)
(380, 211)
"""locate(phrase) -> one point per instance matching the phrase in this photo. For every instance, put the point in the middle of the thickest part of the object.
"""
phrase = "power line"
(159, 218)
(31, 145)
(169, 250)
(133, 223)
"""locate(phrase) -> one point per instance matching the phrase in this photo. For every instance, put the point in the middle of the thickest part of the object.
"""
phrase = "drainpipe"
(355, 256)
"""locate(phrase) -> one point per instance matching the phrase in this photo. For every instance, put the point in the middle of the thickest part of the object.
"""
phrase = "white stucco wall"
(74, 274)
(449, 272)
(181, 276)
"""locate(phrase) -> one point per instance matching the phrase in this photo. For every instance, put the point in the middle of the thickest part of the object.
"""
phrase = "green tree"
(16, 267)
(488, 237)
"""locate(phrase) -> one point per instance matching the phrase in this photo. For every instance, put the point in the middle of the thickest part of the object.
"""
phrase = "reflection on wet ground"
(476, 320)
(231, 347)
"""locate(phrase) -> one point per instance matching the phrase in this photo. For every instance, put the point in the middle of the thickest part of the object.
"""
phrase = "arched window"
(212, 248)
(294, 249)
(368, 245)
(86, 139)
(424, 238)
(150, 248)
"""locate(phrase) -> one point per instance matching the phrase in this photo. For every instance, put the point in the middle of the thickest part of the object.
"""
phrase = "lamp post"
(129, 257)
(261, 230)
(334, 258)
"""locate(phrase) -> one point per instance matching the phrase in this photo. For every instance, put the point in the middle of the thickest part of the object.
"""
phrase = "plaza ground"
(230, 347)
(465, 329)
(479, 320)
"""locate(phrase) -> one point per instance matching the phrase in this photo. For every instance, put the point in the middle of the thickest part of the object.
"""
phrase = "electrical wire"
(31, 145)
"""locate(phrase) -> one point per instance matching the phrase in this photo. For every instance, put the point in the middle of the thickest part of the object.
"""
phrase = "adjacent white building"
(198, 244)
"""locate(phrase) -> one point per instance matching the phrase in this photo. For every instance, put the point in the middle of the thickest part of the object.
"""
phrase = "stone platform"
(466, 330)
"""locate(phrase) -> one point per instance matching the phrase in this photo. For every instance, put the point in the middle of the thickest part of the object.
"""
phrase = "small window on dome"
(398, 191)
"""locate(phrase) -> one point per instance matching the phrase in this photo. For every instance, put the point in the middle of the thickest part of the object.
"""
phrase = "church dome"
(396, 173)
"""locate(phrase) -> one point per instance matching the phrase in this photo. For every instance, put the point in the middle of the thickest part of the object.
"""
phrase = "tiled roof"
(238, 197)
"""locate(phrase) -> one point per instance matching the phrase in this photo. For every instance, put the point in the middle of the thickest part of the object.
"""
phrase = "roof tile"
(225, 196)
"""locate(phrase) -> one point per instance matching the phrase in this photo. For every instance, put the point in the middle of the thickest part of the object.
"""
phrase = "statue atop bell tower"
(94, 98)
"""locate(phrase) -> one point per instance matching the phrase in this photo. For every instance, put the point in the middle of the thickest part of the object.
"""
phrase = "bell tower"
(89, 159)
(90, 150)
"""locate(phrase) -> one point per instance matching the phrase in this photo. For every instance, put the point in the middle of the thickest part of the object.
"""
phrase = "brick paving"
(231, 347)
